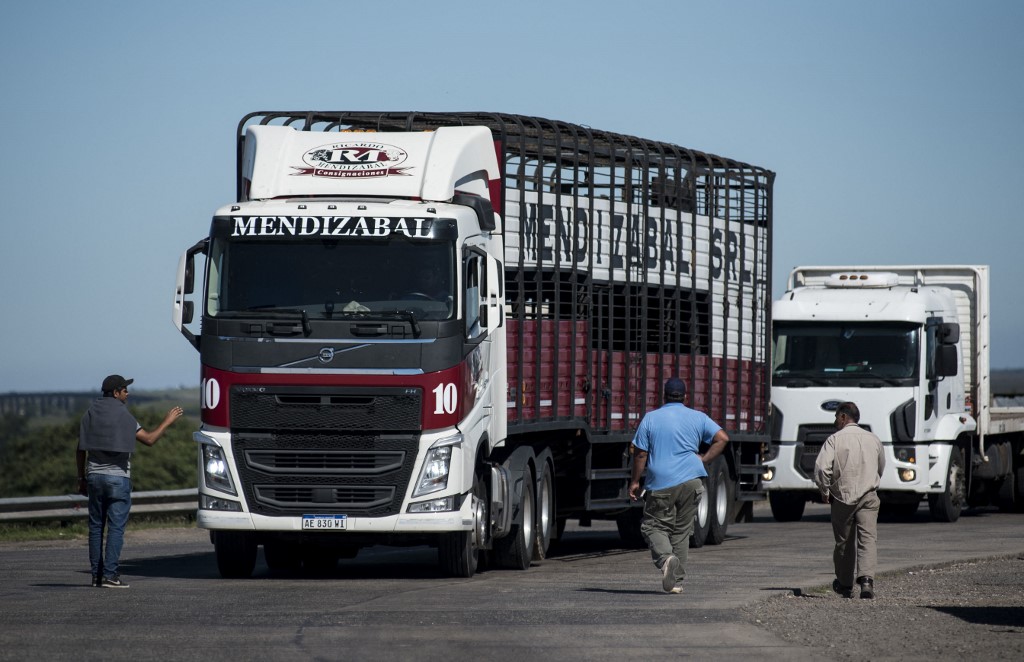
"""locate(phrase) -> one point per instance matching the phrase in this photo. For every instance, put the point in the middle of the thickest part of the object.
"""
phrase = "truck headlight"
(215, 469)
(905, 454)
(436, 466)
(442, 505)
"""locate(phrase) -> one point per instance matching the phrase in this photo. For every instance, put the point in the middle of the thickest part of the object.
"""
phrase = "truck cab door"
(183, 309)
(484, 342)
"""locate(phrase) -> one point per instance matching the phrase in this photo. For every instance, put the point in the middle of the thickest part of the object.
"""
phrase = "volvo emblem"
(326, 355)
(831, 405)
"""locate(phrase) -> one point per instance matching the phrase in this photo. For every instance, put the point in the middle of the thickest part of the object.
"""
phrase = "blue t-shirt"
(672, 435)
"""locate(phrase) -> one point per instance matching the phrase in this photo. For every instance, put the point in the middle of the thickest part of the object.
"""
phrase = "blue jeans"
(110, 499)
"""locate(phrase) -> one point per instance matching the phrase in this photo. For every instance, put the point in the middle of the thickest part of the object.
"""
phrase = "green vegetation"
(39, 460)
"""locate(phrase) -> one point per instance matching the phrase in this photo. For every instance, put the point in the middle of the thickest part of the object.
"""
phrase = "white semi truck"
(910, 346)
(444, 328)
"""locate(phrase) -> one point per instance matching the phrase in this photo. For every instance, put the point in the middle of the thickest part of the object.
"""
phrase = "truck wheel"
(787, 505)
(236, 553)
(458, 552)
(628, 524)
(545, 513)
(899, 511)
(319, 560)
(1009, 494)
(702, 519)
(281, 557)
(946, 507)
(721, 498)
(516, 549)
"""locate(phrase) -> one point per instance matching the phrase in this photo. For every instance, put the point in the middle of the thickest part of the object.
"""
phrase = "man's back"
(672, 435)
(850, 463)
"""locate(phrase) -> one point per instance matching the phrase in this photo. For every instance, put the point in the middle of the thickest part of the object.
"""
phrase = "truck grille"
(335, 409)
(296, 473)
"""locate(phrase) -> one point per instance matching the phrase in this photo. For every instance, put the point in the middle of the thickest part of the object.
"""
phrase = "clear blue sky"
(896, 130)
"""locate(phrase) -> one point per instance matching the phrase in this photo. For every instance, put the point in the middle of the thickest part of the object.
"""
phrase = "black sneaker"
(845, 591)
(113, 582)
(867, 588)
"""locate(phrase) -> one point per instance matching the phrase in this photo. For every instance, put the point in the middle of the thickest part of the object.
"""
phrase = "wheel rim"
(721, 500)
(702, 511)
(479, 516)
(528, 519)
(956, 485)
(544, 520)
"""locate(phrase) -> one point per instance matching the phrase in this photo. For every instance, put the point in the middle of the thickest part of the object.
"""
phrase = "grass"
(79, 529)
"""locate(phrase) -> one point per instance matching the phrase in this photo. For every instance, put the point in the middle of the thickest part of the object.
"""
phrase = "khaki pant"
(856, 532)
(668, 522)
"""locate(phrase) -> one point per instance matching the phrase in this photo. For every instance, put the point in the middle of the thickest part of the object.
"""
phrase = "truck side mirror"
(946, 364)
(187, 312)
(190, 281)
(948, 333)
(483, 316)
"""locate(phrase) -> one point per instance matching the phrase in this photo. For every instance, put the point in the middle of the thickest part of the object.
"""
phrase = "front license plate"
(324, 522)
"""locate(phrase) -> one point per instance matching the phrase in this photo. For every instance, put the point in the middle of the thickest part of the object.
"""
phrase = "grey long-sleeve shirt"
(849, 464)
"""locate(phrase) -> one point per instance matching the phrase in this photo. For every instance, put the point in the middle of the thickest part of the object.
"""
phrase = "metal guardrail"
(75, 506)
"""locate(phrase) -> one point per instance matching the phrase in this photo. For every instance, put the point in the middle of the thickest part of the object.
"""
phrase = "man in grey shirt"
(847, 471)
(106, 440)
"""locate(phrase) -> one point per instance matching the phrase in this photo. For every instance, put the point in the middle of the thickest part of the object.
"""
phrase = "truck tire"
(1009, 500)
(319, 560)
(898, 511)
(456, 555)
(720, 490)
(702, 518)
(946, 507)
(281, 558)
(236, 553)
(628, 524)
(458, 552)
(787, 505)
(515, 550)
(545, 512)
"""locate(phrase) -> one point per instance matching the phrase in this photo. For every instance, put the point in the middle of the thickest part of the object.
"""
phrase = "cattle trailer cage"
(627, 261)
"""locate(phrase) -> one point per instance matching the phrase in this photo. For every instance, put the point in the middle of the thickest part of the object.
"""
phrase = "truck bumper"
(927, 474)
(460, 520)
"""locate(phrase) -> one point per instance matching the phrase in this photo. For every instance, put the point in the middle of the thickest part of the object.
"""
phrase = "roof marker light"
(875, 279)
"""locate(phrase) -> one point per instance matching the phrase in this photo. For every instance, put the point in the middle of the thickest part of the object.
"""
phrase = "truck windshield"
(331, 278)
(828, 352)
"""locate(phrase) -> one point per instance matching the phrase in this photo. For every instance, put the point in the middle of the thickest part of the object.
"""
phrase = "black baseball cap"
(675, 388)
(115, 383)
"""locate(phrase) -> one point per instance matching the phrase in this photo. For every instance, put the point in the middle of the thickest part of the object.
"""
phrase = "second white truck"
(910, 346)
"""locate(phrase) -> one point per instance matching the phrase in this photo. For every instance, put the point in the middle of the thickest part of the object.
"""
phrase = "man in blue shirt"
(667, 444)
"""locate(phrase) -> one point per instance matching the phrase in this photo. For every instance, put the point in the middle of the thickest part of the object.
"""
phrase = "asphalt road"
(592, 600)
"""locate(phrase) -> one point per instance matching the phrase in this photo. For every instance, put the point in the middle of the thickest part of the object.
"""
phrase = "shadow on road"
(1005, 616)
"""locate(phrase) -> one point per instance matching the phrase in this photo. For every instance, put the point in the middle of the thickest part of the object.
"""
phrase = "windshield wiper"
(277, 313)
(892, 381)
(801, 376)
(404, 315)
